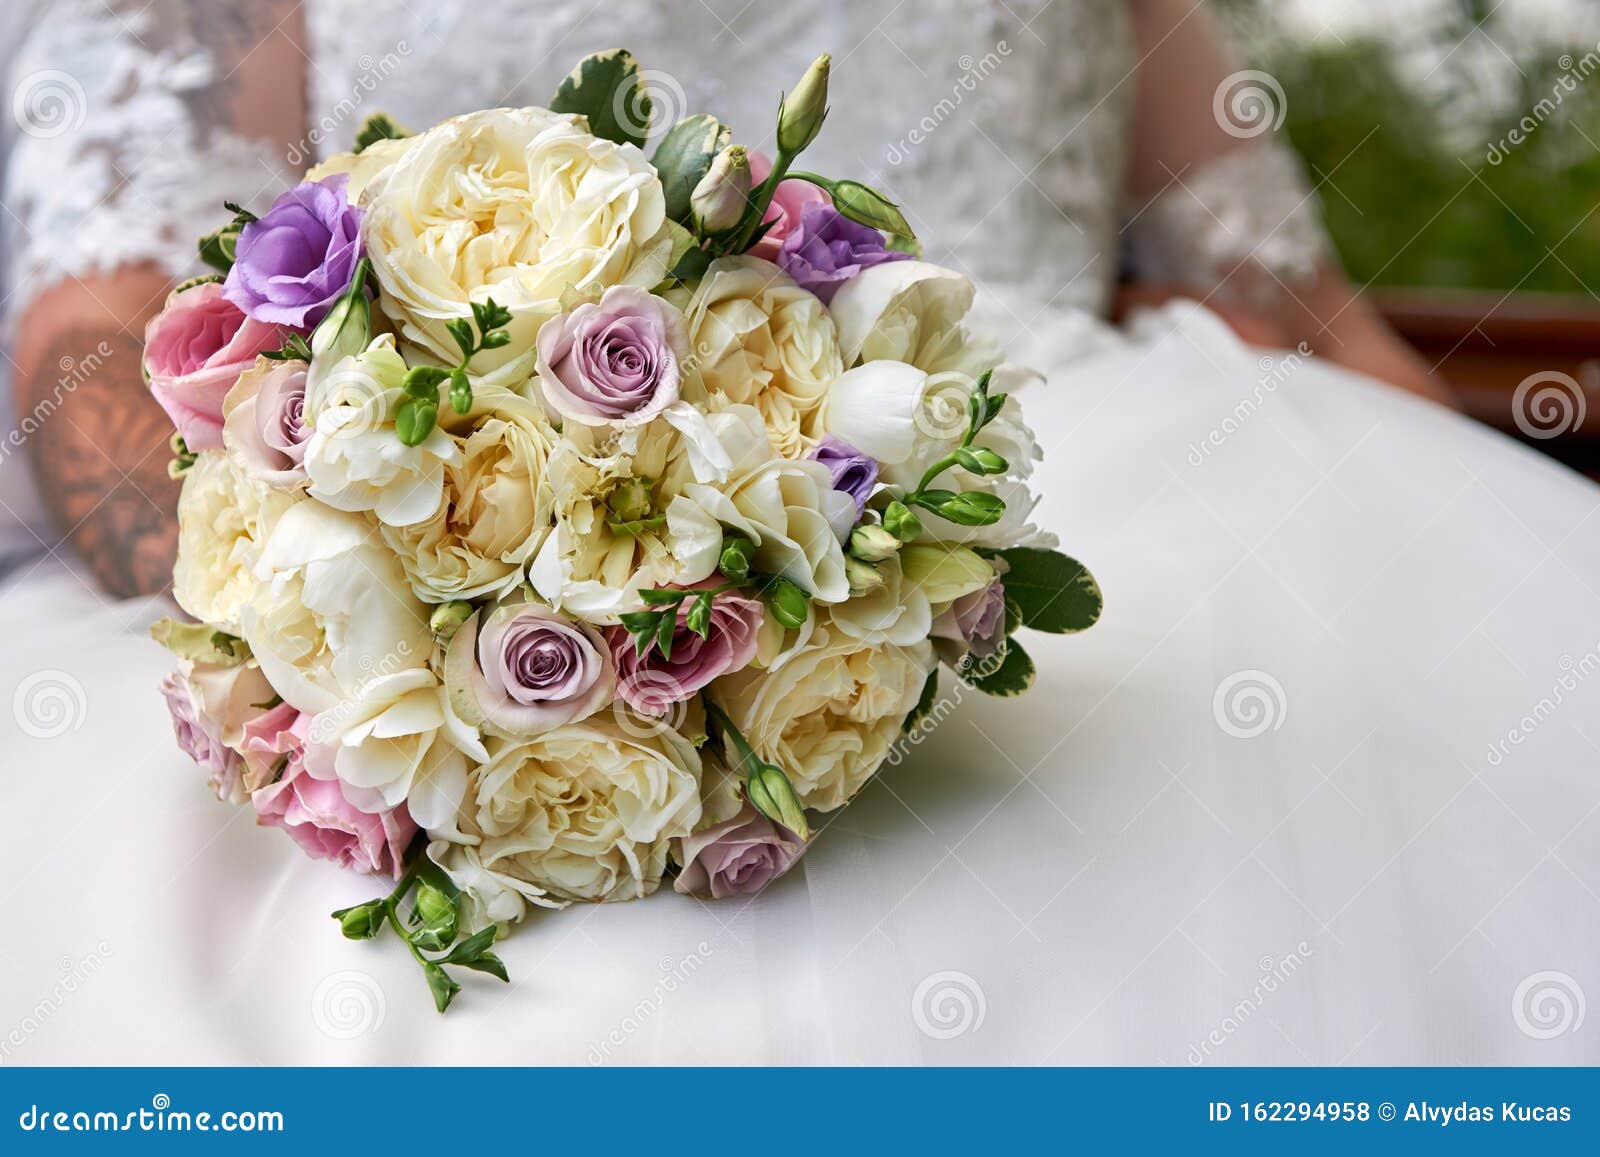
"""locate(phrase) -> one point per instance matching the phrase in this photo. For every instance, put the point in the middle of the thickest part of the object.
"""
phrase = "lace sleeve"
(1244, 225)
(122, 150)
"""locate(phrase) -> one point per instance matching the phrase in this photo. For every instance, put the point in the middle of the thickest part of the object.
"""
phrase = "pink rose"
(736, 857)
(784, 211)
(314, 811)
(194, 351)
(651, 683)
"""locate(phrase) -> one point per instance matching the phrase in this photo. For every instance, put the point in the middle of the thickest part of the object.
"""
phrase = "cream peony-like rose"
(495, 507)
(622, 519)
(331, 611)
(354, 458)
(585, 812)
(520, 204)
(788, 507)
(224, 516)
(829, 712)
(363, 167)
(913, 312)
(756, 338)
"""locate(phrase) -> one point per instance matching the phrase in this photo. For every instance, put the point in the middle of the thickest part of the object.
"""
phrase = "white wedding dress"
(1320, 787)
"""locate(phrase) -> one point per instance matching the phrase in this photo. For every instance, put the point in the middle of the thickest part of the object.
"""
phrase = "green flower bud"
(803, 110)
(980, 461)
(630, 499)
(863, 577)
(362, 922)
(347, 329)
(415, 420)
(719, 200)
(448, 617)
(872, 543)
(771, 794)
(433, 905)
(737, 554)
(868, 206)
(460, 391)
(900, 522)
(790, 605)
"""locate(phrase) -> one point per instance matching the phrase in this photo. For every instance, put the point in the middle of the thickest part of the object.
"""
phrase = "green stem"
(730, 732)
(760, 199)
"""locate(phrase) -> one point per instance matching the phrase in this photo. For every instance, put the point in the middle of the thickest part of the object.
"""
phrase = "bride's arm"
(1220, 209)
(172, 106)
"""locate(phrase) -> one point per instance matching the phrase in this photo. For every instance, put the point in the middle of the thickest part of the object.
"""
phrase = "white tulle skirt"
(1320, 787)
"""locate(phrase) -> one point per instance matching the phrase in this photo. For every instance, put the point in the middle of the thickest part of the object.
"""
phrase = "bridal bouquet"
(556, 518)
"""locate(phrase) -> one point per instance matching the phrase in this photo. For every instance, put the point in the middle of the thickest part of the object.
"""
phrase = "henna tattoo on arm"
(97, 444)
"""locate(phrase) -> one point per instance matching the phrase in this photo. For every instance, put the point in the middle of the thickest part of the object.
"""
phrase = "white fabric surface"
(1100, 865)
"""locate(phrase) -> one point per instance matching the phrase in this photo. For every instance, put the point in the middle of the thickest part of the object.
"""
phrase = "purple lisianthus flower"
(650, 683)
(829, 249)
(525, 670)
(612, 361)
(737, 857)
(853, 472)
(292, 264)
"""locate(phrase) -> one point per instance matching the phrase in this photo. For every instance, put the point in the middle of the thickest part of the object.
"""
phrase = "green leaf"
(461, 330)
(487, 962)
(1013, 676)
(662, 597)
(439, 983)
(665, 633)
(930, 690)
(293, 349)
(684, 156)
(379, 127)
(692, 265)
(1053, 593)
(606, 88)
(472, 947)
(640, 622)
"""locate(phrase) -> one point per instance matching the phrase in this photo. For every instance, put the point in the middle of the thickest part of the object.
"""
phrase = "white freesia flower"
(386, 745)
(787, 507)
(224, 517)
(912, 312)
(584, 812)
(828, 714)
(897, 613)
(495, 504)
(758, 339)
(355, 459)
(520, 204)
(622, 518)
(332, 610)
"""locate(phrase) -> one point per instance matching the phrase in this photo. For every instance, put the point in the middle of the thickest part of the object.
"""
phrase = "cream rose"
(332, 610)
(829, 712)
(523, 205)
(756, 338)
(585, 812)
(363, 167)
(495, 505)
(224, 516)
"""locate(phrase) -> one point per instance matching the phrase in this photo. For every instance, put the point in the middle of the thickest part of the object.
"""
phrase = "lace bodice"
(1001, 125)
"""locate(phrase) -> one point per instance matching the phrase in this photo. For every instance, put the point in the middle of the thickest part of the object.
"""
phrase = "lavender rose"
(736, 857)
(292, 264)
(651, 683)
(526, 670)
(829, 249)
(854, 473)
(974, 623)
(199, 737)
(612, 362)
(263, 422)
